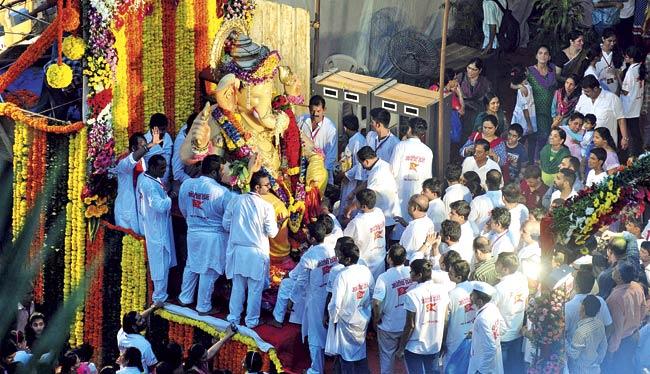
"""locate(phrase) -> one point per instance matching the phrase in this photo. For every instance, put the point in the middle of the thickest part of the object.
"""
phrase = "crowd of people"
(433, 266)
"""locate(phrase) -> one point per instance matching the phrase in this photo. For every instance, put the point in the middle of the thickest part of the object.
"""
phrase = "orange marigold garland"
(169, 57)
(35, 181)
(19, 115)
(135, 89)
(94, 299)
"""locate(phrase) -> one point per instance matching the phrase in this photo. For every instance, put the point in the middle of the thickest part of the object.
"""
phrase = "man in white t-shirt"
(492, 16)
(133, 323)
(518, 211)
(511, 298)
(530, 254)
(632, 96)
(349, 314)
(412, 164)
(354, 173)
(498, 234)
(380, 180)
(485, 353)
(380, 139)
(415, 234)
(437, 212)
(456, 190)
(388, 306)
(368, 229)
(596, 162)
(482, 205)
(427, 310)
(480, 162)
(322, 131)
(316, 263)
(606, 106)
(459, 212)
(461, 310)
(165, 148)
(564, 181)
(450, 234)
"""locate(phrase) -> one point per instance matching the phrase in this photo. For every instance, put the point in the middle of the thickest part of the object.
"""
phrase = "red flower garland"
(200, 46)
(94, 300)
(135, 88)
(23, 98)
(169, 56)
(35, 180)
(232, 354)
(99, 101)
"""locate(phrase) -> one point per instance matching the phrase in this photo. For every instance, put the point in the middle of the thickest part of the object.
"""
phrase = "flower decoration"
(73, 47)
(59, 76)
(23, 98)
(263, 72)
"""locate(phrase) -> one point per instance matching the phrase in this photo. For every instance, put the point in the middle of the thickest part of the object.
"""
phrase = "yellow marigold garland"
(214, 23)
(20, 164)
(152, 60)
(248, 341)
(185, 70)
(59, 76)
(134, 275)
(73, 47)
(120, 93)
(75, 231)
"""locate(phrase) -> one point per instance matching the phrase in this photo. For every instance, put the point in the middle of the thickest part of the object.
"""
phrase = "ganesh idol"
(254, 130)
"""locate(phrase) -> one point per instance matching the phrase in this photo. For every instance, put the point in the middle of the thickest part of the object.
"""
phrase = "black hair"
(449, 258)
(129, 320)
(133, 358)
(418, 126)
(351, 122)
(584, 281)
(158, 120)
(483, 143)
(590, 82)
(477, 62)
(366, 153)
(133, 140)
(317, 100)
(367, 197)
(577, 91)
(211, 163)
(560, 132)
(453, 172)
(512, 193)
(488, 97)
(397, 254)
(85, 352)
(638, 56)
(600, 154)
(517, 128)
(501, 216)
(317, 231)
(69, 360)
(569, 175)
(380, 115)
(422, 267)
(532, 171)
(576, 115)
(591, 305)
(604, 133)
(575, 34)
(509, 261)
(155, 161)
(493, 180)
(433, 185)
(591, 118)
(327, 221)
(257, 178)
(349, 250)
(492, 119)
(190, 121)
(461, 207)
(451, 229)
(626, 271)
(594, 52)
(617, 54)
(194, 356)
(517, 74)
(461, 269)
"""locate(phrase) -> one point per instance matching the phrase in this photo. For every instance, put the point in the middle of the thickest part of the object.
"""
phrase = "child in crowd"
(524, 112)
(588, 126)
(517, 155)
(574, 134)
(457, 106)
(596, 160)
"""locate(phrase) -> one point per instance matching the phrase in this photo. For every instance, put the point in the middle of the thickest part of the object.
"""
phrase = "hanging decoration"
(74, 47)
(58, 76)
(134, 275)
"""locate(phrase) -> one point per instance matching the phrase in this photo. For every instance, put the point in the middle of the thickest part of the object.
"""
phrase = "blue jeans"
(420, 364)
(352, 367)
(512, 356)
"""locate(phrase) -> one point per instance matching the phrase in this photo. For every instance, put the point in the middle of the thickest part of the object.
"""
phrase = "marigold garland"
(134, 275)
(135, 89)
(14, 112)
(120, 94)
(152, 61)
(94, 298)
(200, 43)
(169, 58)
(21, 147)
(211, 330)
(23, 98)
(185, 69)
(58, 76)
(73, 47)
(75, 231)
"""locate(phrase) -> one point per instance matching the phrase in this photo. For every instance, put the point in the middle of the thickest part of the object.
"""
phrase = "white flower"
(589, 211)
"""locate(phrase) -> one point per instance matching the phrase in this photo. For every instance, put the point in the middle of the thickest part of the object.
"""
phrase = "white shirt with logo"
(390, 291)
(429, 301)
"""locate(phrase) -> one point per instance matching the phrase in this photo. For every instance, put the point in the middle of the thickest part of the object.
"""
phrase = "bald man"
(530, 254)
(484, 270)
(415, 235)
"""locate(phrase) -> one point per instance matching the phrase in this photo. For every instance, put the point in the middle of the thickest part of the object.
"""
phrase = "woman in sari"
(565, 99)
(474, 87)
(552, 154)
(541, 77)
(493, 108)
(489, 132)
(572, 59)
